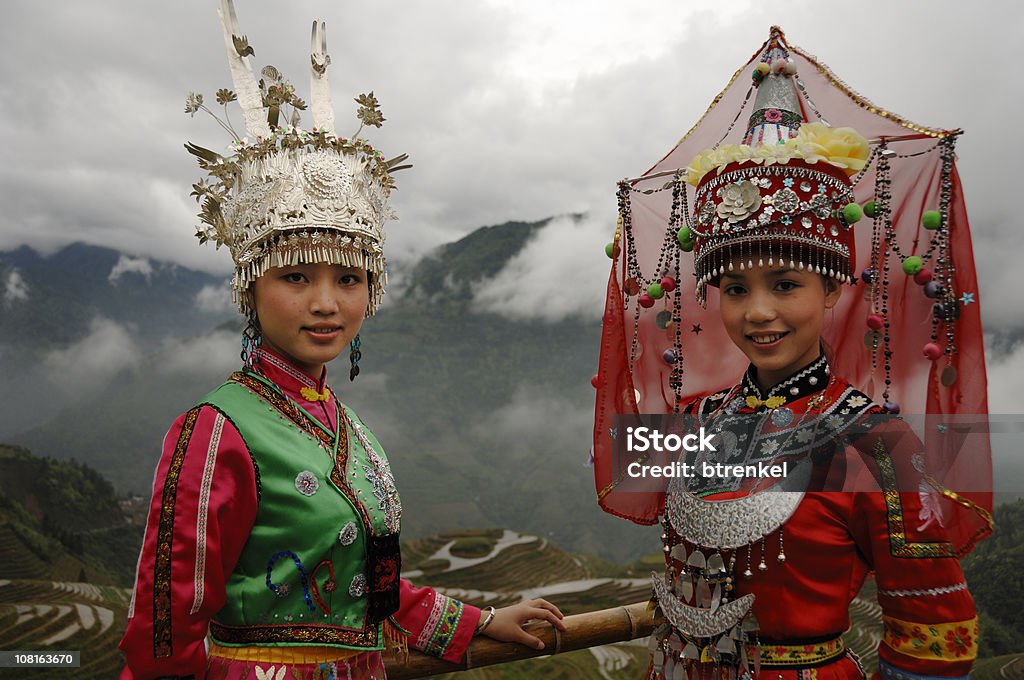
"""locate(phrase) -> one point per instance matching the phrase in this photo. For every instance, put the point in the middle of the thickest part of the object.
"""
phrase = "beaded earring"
(354, 356)
(252, 338)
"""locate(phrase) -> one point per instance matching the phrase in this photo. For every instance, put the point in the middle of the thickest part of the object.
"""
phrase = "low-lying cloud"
(559, 273)
(134, 265)
(90, 363)
(15, 288)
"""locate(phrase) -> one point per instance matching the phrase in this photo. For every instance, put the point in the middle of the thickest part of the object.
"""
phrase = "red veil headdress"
(910, 340)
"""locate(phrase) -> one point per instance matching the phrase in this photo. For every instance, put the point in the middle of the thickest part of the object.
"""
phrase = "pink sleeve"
(204, 504)
(438, 625)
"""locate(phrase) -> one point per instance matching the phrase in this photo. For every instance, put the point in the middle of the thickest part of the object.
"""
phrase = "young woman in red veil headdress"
(760, 571)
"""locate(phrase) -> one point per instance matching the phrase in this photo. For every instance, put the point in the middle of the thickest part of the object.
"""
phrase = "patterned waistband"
(289, 655)
(797, 655)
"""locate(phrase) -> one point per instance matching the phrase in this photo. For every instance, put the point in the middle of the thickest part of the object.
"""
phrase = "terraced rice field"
(56, 615)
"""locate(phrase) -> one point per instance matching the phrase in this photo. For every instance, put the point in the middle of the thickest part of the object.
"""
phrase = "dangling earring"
(252, 338)
(354, 356)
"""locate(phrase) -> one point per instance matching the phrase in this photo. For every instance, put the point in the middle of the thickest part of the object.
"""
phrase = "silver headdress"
(286, 195)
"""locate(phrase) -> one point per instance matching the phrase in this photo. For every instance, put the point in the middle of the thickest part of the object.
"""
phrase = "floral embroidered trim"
(292, 633)
(162, 640)
(264, 355)
(285, 406)
(890, 672)
(358, 586)
(929, 591)
(774, 656)
(432, 619)
(202, 513)
(439, 631)
(899, 546)
(956, 641)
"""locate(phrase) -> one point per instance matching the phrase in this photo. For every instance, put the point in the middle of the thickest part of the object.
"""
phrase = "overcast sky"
(510, 109)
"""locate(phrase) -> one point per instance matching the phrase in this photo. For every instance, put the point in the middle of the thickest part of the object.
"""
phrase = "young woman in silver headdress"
(272, 545)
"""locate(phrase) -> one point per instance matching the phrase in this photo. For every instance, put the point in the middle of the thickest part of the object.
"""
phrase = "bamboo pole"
(590, 629)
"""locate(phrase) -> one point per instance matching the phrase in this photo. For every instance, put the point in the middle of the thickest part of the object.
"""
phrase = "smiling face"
(309, 313)
(775, 315)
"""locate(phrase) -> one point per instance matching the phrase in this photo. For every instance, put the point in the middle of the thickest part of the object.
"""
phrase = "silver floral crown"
(285, 195)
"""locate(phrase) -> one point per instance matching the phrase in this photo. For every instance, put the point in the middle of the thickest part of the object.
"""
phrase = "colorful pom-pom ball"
(790, 68)
(669, 356)
(931, 219)
(761, 70)
(595, 381)
(631, 287)
(852, 213)
(668, 284)
(778, 66)
(922, 277)
(876, 322)
(646, 301)
(932, 351)
(871, 208)
(933, 289)
(655, 291)
(612, 250)
(868, 275)
(912, 265)
(685, 239)
(891, 407)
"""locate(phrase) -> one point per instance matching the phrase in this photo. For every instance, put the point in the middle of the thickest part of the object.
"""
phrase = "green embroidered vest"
(321, 566)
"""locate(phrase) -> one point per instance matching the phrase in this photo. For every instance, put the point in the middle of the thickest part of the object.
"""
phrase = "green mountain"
(486, 419)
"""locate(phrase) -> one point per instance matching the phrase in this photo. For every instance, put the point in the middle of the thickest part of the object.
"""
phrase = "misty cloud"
(214, 355)
(560, 272)
(1005, 376)
(509, 110)
(126, 264)
(93, 361)
(536, 423)
(15, 288)
(215, 299)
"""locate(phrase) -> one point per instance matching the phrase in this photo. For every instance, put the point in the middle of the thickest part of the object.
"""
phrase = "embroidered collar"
(290, 379)
(805, 382)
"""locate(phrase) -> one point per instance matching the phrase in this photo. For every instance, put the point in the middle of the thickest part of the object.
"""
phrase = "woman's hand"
(507, 624)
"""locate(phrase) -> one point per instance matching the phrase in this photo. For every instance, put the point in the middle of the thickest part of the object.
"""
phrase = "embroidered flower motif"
(773, 115)
(805, 435)
(739, 201)
(788, 181)
(856, 401)
(348, 534)
(770, 447)
(307, 483)
(896, 635)
(358, 586)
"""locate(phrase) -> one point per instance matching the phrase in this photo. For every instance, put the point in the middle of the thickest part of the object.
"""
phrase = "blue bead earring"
(354, 356)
